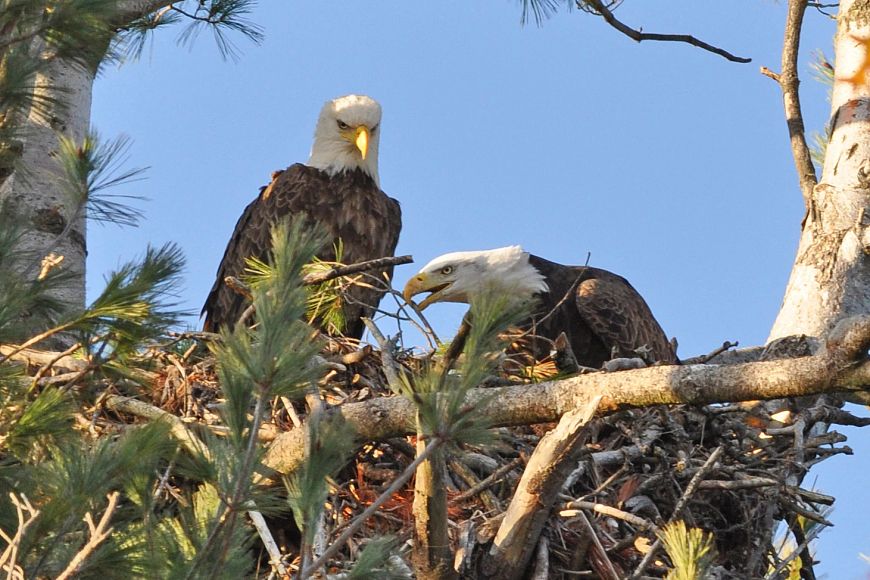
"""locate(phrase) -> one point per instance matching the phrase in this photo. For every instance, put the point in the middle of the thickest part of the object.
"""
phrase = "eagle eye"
(375, 128)
(343, 126)
(446, 270)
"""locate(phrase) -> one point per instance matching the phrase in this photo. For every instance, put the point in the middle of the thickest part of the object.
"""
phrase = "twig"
(192, 335)
(423, 326)
(10, 555)
(800, 550)
(361, 519)
(705, 358)
(7, 354)
(489, 481)
(367, 266)
(542, 560)
(47, 366)
(639, 36)
(32, 356)
(684, 500)
(807, 513)
(98, 534)
(388, 362)
(177, 428)
(571, 509)
(591, 531)
(275, 559)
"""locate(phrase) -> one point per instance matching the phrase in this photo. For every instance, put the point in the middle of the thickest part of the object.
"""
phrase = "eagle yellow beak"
(362, 140)
(415, 286)
(420, 283)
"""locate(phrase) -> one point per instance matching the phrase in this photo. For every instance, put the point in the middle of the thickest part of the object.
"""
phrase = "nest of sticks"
(732, 470)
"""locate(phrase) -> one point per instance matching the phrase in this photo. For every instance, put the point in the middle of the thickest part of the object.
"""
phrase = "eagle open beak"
(422, 283)
(362, 140)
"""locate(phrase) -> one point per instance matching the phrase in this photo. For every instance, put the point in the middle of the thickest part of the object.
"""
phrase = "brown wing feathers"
(603, 313)
(349, 205)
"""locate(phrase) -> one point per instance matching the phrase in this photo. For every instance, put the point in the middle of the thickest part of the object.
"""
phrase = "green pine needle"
(331, 443)
(691, 550)
(93, 166)
(325, 305)
(137, 304)
(373, 562)
(46, 419)
(221, 16)
(25, 301)
(439, 397)
(541, 10)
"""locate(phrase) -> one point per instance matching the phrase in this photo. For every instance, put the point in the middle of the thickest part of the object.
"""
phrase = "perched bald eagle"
(338, 188)
(600, 312)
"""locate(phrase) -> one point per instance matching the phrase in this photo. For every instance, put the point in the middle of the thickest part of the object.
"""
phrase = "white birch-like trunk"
(34, 189)
(830, 279)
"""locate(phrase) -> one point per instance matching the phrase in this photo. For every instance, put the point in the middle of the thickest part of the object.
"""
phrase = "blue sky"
(668, 164)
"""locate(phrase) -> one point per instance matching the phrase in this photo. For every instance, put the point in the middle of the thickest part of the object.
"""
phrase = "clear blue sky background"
(669, 164)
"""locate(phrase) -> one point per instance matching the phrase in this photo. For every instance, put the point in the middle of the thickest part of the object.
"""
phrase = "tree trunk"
(53, 222)
(830, 279)
(33, 191)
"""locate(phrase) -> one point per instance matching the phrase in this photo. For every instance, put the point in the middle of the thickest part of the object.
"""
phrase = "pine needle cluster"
(691, 551)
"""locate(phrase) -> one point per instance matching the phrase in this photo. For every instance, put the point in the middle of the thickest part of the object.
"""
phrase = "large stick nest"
(634, 469)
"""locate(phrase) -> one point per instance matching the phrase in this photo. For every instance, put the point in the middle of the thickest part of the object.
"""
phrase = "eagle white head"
(347, 136)
(460, 276)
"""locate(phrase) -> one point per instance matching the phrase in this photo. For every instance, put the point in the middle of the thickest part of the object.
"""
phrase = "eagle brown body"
(348, 205)
(601, 314)
(599, 311)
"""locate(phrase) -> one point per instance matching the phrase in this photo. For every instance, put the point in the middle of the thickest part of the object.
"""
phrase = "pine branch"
(369, 511)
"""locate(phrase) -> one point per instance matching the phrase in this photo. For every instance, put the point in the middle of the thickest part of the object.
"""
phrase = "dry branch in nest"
(668, 443)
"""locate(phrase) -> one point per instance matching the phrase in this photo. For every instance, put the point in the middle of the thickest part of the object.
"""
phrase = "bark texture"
(830, 279)
(33, 192)
(554, 459)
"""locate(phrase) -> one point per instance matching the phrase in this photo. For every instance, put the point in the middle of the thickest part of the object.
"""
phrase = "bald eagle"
(600, 312)
(338, 188)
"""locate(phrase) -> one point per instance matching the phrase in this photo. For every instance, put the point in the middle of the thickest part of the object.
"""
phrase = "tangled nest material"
(731, 470)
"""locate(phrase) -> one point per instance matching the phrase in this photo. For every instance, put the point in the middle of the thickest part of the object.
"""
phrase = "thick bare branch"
(553, 459)
(832, 370)
(639, 36)
(177, 427)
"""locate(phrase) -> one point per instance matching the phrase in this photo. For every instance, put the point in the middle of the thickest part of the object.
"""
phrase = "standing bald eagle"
(339, 188)
(600, 312)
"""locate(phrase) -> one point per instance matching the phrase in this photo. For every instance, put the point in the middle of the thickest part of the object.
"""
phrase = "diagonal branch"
(639, 36)
(367, 266)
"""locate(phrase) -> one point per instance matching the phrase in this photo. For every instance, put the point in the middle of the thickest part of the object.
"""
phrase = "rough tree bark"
(830, 279)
